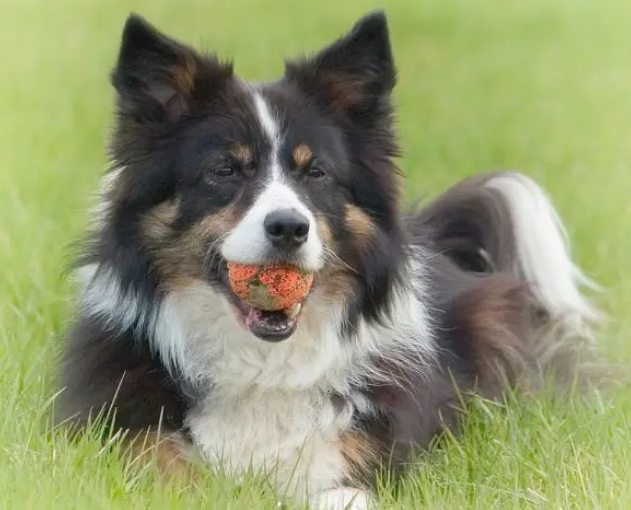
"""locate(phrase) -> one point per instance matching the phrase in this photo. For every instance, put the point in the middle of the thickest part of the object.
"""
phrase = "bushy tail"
(504, 222)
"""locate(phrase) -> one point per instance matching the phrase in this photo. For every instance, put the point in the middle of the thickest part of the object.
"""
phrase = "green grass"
(541, 86)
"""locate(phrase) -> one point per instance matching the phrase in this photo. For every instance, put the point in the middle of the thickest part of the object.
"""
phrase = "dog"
(412, 308)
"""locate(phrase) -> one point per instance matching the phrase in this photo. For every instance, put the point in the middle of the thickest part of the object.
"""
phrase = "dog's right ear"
(159, 79)
(355, 73)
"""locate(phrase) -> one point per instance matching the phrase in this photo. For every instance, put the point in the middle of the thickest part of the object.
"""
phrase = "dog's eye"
(223, 171)
(218, 172)
(315, 172)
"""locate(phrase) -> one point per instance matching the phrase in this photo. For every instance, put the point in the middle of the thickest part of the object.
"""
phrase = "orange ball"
(269, 288)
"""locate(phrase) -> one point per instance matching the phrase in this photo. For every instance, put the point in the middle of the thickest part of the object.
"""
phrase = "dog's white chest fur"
(293, 434)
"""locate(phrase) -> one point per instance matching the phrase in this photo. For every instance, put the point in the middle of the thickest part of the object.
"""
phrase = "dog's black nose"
(286, 228)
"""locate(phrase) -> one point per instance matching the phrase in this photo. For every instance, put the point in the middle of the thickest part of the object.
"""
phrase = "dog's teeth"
(293, 312)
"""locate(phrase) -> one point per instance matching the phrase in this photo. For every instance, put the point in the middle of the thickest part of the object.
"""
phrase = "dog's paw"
(343, 499)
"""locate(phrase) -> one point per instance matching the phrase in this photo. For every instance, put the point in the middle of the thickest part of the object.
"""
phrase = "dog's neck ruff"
(195, 334)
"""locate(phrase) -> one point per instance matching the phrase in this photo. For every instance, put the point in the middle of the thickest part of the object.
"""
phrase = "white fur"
(344, 499)
(101, 212)
(270, 127)
(543, 250)
(247, 243)
(292, 435)
(103, 297)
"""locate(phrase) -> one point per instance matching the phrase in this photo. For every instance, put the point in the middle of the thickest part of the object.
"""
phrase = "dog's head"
(210, 168)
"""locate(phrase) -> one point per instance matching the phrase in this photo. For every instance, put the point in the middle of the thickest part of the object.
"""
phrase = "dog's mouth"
(270, 326)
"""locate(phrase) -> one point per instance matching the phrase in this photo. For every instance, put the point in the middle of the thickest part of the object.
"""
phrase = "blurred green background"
(541, 86)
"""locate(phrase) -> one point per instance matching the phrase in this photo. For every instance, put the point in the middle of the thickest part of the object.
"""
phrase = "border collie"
(471, 293)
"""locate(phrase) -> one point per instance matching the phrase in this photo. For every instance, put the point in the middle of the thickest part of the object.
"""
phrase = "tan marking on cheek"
(243, 154)
(157, 222)
(324, 231)
(337, 285)
(336, 280)
(302, 155)
(180, 258)
(359, 223)
(216, 224)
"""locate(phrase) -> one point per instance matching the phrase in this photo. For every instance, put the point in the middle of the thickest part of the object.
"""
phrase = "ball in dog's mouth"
(269, 299)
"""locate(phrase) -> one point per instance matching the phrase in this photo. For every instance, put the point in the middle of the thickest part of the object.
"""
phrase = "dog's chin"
(273, 326)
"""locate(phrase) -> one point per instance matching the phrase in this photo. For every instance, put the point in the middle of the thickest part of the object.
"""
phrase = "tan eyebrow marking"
(302, 155)
(242, 153)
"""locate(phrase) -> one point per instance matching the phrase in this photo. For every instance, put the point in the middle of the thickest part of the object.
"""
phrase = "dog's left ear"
(158, 79)
(353, 74)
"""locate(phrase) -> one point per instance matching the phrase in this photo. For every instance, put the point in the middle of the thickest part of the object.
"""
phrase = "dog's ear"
(353, 74)
(159, 79)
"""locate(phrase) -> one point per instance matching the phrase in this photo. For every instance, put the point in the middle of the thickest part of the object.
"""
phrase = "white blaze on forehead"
(271, 130)
(265, 116)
